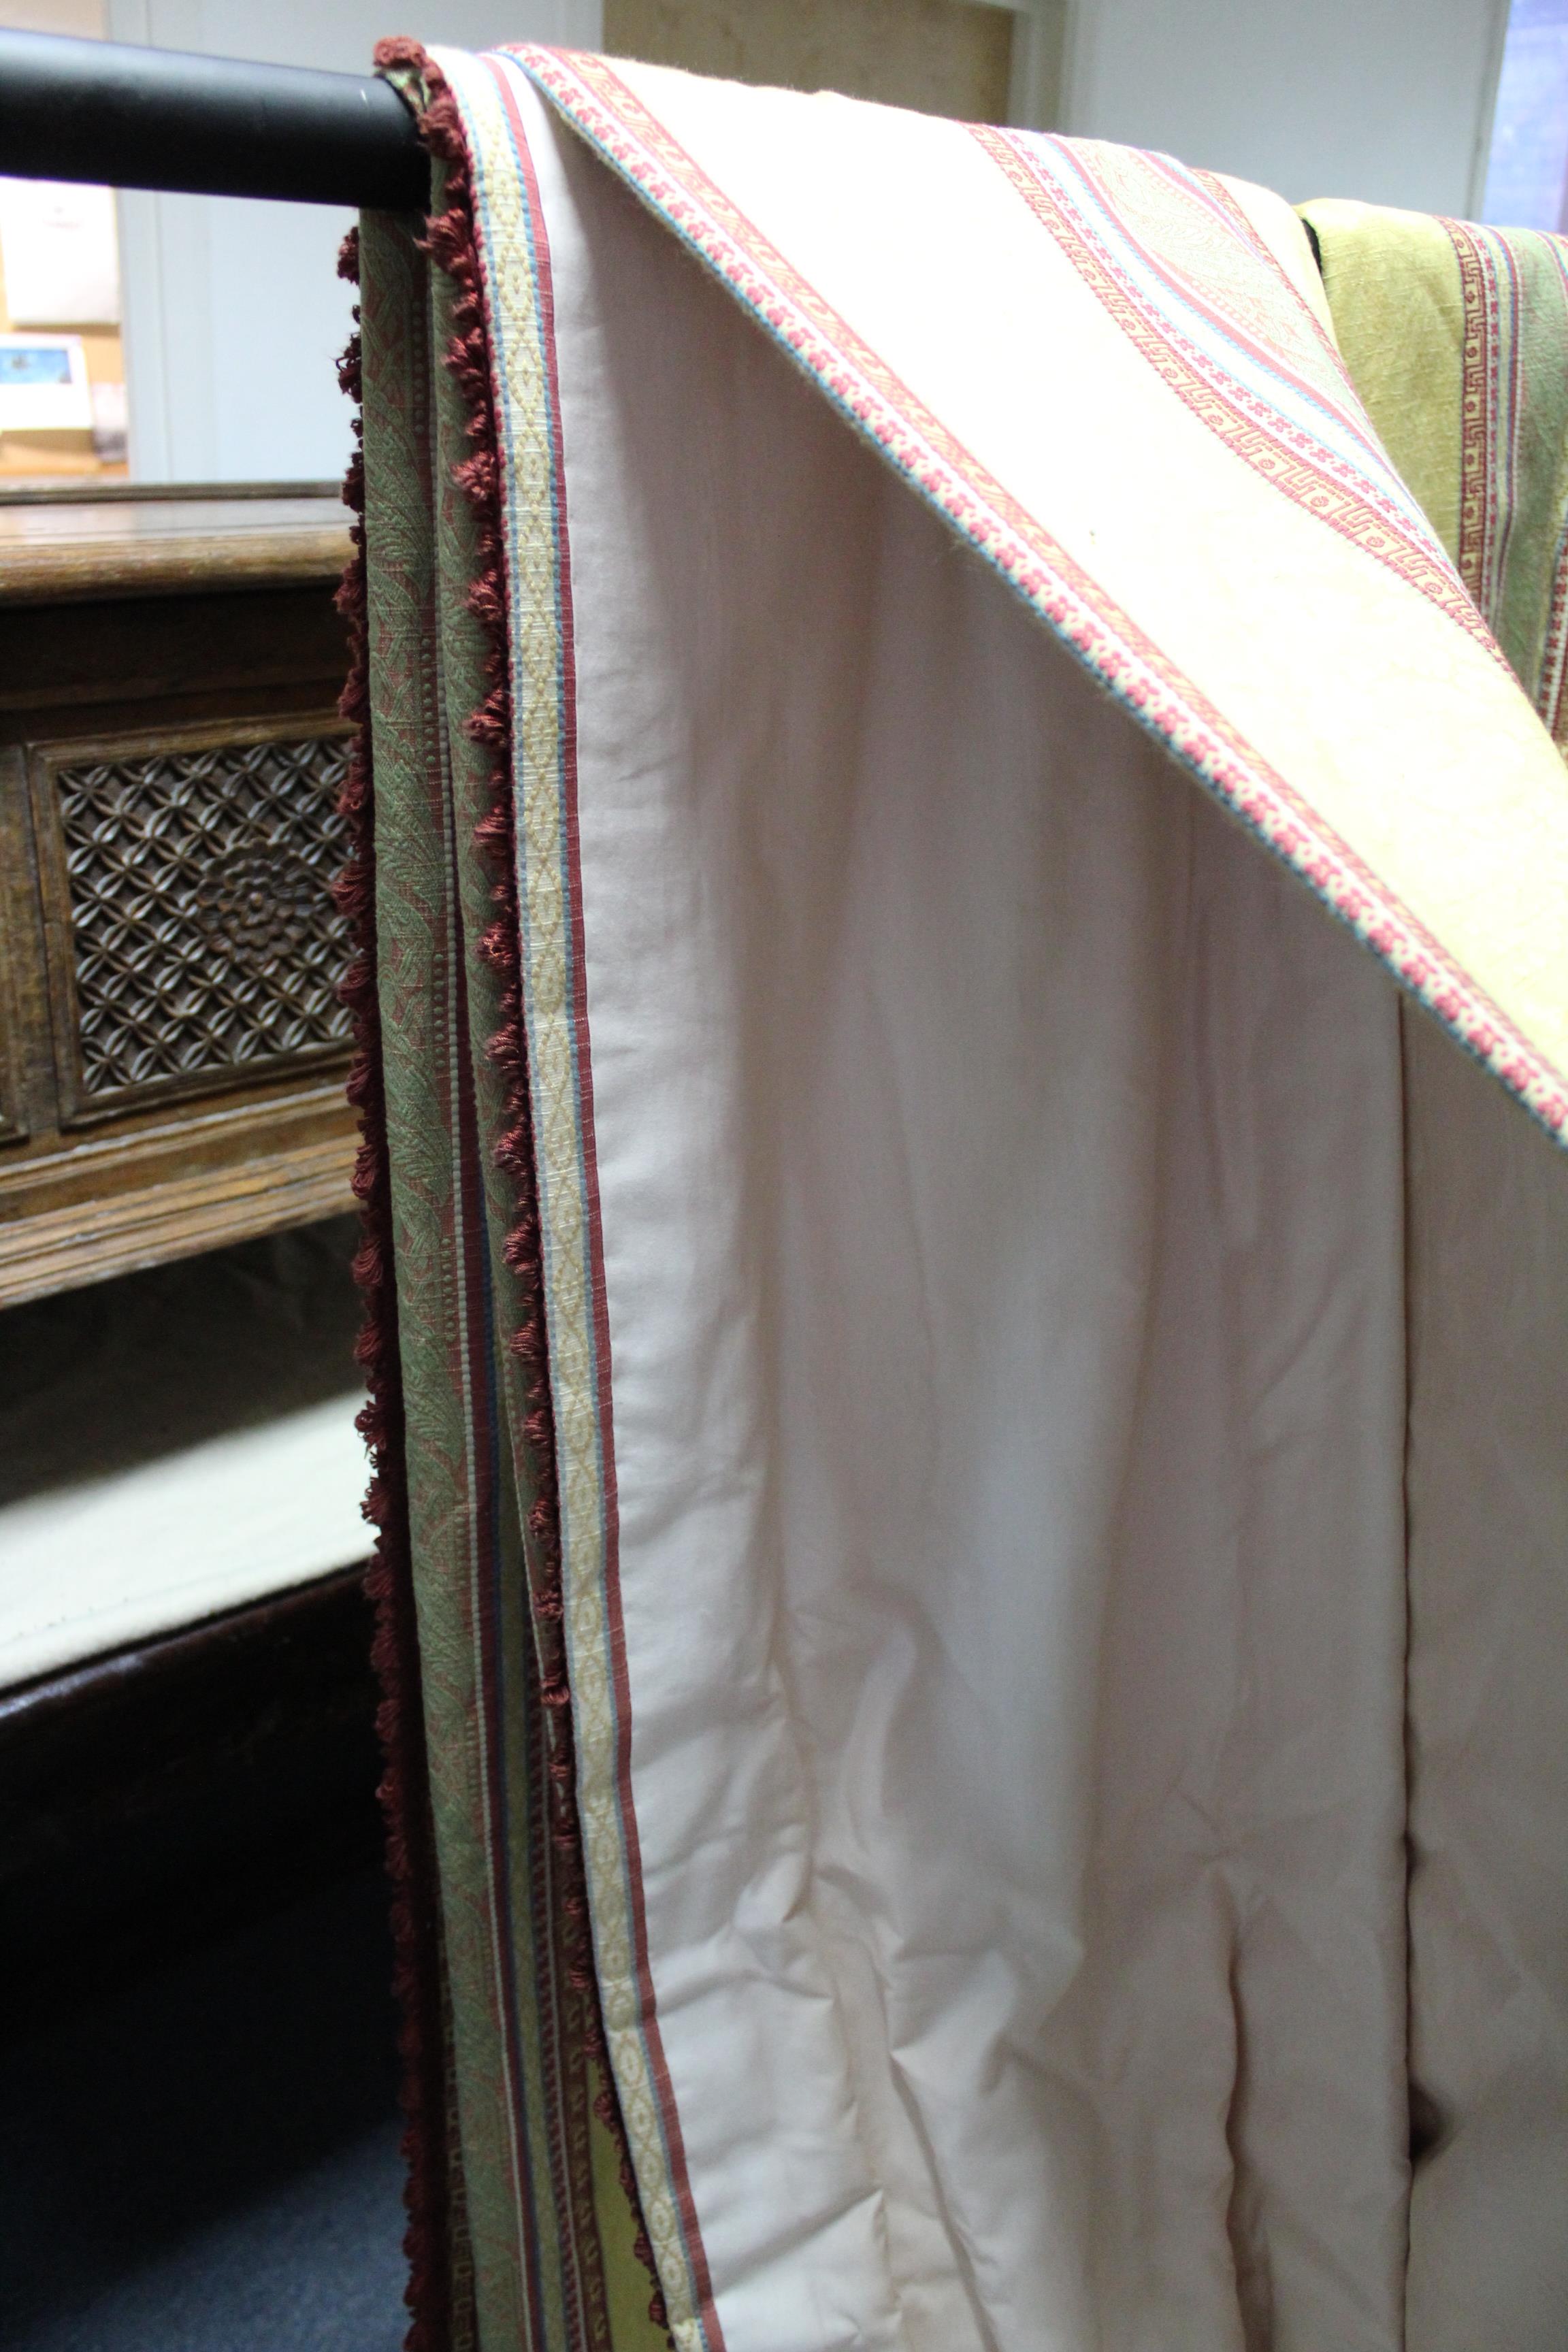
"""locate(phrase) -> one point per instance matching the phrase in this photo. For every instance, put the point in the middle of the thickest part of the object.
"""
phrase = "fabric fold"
(901, 1214)
(1455, 337)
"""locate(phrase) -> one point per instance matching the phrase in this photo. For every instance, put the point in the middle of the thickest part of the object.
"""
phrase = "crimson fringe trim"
(452, 246)
(400, 1718)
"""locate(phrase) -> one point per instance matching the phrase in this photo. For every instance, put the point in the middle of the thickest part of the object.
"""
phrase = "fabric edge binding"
(404, 1788)
(451, 245)
(1106, 642)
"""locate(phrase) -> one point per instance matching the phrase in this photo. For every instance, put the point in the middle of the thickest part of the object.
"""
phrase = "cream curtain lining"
(1016, 1196)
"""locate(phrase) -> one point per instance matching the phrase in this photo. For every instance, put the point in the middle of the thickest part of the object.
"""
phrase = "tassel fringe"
(451, 245)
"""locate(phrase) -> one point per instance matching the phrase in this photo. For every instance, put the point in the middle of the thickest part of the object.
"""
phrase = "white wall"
(1386, 99)
(235, 317)
(234, 314)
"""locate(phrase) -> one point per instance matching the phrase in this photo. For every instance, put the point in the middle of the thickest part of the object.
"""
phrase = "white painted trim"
(1040, 30)
(1486, 120)
(140, 293)
(141, 333)
(118, 1559)
(1039, 46)
(1075, 71)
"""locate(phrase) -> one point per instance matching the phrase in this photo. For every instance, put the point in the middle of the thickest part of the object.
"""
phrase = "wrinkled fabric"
(1002, 1245)
(1456, 336)
(977, 1232)
(1488, 1716)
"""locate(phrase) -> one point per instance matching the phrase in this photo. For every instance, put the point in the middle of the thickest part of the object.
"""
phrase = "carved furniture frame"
(172, 1053)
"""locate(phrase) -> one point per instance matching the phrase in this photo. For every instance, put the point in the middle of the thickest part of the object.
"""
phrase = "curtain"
(969, 1436)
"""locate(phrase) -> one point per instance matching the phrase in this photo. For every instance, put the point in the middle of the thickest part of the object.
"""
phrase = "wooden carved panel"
(192, 941)
(16, 918)
(26, 1060)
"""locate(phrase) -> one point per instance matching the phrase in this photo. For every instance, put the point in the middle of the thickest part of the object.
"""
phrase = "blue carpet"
(206, 2160)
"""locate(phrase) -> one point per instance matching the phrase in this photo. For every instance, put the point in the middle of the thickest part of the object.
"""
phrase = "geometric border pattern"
(942, 471)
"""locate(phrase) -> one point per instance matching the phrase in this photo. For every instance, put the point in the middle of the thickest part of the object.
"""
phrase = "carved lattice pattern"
(205, 936)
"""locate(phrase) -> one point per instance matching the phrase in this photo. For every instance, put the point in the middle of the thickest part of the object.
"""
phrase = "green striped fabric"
(551, 2230)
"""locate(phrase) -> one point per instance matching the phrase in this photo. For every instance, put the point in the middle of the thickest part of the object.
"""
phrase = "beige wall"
(81, 18)
(940, 56)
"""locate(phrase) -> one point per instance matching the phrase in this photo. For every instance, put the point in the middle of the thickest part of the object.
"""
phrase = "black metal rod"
(128, 117)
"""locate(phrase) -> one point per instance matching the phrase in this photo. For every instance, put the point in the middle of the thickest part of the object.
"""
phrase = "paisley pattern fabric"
(899, 1217)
